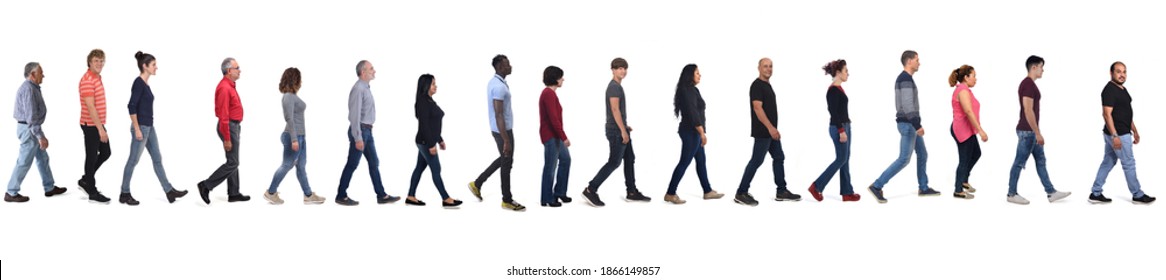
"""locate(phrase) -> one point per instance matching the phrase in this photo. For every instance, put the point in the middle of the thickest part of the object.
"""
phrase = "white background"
(910, 237)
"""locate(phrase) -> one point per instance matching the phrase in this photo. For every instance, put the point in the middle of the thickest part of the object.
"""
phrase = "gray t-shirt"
(614, 89)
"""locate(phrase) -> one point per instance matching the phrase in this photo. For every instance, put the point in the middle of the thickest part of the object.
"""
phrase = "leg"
(224, 170)
(497, 163)
(233, 179)
(964, 159)
(1026, 142)
(629, 167)
(1107, 163)
(507, 165)
(833, 168)
(152, 147)
(302, 166)
(418, 169)
(844, 172)
(350, 167)
(689, 143)
(1128, 165)
(435, 170)
(563, 177)
(102, 155)
(136, 148)
(921, 163)
(702, 170)
(778, 155)
(760, 147)
(614, 156)
(374, 163)
(92, 141)
(906, 146)
(29, 149)
(1038, 155)
(550, 160)
(975, 143)
(289, 158)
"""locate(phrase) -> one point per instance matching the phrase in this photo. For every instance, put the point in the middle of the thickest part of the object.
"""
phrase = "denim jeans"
(229, 171)
(841, 164)
(298, 159)
(690, 149)
(424, 159)
(370, 155)
(969, 152)
(762, 146)
(555, 156)
(619, 152)
(150, 144)
(1026, 146)
(1126, 156)
(909, 140)
(29, 150)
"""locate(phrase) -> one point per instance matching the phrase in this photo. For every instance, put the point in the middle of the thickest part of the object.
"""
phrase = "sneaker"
(513, 205)
(174, 194)
(15, 198)
(783, 194)
(1099, 198)
(851, 197)
(745, 199)
(96, 197)
(347, 201)
(127, 199)
(272, 198)
(314, 199)
(1058, 195)
(592, 198)
(814, 192)
(388, 199)
(1016, 198)
(674, 199)
(476, 191)
(636, 196)
(238, 198)
(55, 191)
(969, 188)
(964, 195)
(877, 193)
(928, 192)
(713, 195)
(1145, 199)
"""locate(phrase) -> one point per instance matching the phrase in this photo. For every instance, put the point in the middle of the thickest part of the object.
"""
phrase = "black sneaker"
(745, 199)
(1145, 199)
(1099, 198)
(96, 197)
(346, 201)
(238, 198)
(15, 198)
(174, 194)
(636, 196)
(592, 198)
(878, 194)
(55, 191)
(783, 194)
(388, 199)
(127, 199)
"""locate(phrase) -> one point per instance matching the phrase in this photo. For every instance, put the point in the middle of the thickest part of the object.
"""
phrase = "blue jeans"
(29, 150)
(555, 153)
(424, 159)
(299, 159)
(909, 141)
(690, 149)
(1126, 155)
(762, 146)
(1027, 146)
(619, 152)
(370, 155)
(841, 164)
(150, 143)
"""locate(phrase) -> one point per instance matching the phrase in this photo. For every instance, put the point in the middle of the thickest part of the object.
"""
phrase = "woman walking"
(295, 146)
(965, 125)
(838, 105)
(428, 140)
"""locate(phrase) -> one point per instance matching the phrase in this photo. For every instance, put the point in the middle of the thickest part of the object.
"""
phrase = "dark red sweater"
(550, 116)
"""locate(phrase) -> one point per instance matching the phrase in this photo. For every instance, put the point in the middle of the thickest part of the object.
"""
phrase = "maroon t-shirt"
(1028, 89)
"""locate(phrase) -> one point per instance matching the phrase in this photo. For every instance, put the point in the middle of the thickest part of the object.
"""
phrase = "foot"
(783, 194)
(451, 203)
(414, 201)
(174, 194)
(127, 199)
(929, 192)
(15, 198)
(851, 197)
(1099, 198)
(969, 188)
(877, 193)
(96, 197)
(1017, 199)
(563, 199)
(1144, 199)
(388, 199)
(713, 195)
(814, 192)
(238, 198)
(636, 196)
(964, 195)
(552, 204)
(314, 199)
(346, 201)
(592, 198)
(205, 193)
(272, 198)
(745, 199)
(55, 191)
(1058, 195)
(476, 191)
(674, 199)
(513, 206)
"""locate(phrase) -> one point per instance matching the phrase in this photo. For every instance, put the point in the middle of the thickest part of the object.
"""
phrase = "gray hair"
(31, 66)
(360, 67)
(227, 64)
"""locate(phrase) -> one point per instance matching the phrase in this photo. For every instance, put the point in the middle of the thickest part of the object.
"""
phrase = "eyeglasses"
(235, 68)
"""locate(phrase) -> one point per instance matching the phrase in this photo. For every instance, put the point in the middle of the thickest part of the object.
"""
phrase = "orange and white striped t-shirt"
(91, 86)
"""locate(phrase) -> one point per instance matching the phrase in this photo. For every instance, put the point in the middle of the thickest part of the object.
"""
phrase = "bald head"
(765, 69)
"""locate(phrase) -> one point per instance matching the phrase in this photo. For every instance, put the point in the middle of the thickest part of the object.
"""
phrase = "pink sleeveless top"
(960, 123)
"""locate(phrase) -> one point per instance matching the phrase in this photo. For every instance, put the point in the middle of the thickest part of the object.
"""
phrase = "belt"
(22, 122)
(235, 122)
(368, 126)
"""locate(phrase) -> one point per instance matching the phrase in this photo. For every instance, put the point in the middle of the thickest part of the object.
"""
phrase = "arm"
(133, 106)
(355, 103)
(617, 114)
(966, 104)
(1030, 115)
(425, 126)
(691, 111)
(555, 113)
(833, 102)
(906, 101)
(222, 103)
(289, 108)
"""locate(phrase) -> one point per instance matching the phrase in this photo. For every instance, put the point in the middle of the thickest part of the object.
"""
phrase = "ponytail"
(959, 75)
(834, 67)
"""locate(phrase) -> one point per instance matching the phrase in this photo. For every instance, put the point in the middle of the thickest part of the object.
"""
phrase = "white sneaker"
(272, 198)
(1018, 199)
(1053, 197)
(314, 199)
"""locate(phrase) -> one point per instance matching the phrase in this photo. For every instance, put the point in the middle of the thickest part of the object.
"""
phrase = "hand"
(703, 140)
(983, 136)
(44, 143)
(138, 134)
(1137, 138)
(104, 137)
(567, 143)
(1116, 143)
(842, 137)
(629, 128)
(442, 144)
(227, 146)
(433, 151)
(296, 146)
(506, 147)
(624, 135)
(774, 134)
(919, 132)
(1040, 139)
(360, 145)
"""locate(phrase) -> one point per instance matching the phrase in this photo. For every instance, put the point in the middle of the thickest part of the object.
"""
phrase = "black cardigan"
(691, 109)
(429, 117)
(837, 103)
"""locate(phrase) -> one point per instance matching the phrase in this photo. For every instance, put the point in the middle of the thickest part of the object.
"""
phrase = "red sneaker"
(814, 192)
(851, 197)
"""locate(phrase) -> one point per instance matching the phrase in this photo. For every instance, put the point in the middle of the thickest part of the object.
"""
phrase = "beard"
(1118, 82)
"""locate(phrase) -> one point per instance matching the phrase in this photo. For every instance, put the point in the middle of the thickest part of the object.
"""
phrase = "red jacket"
(550, 116)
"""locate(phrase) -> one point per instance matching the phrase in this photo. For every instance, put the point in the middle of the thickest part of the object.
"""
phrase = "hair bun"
(139, 55)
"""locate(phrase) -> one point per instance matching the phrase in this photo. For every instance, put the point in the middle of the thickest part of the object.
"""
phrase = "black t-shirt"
(762, 91)
(1123, 112)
